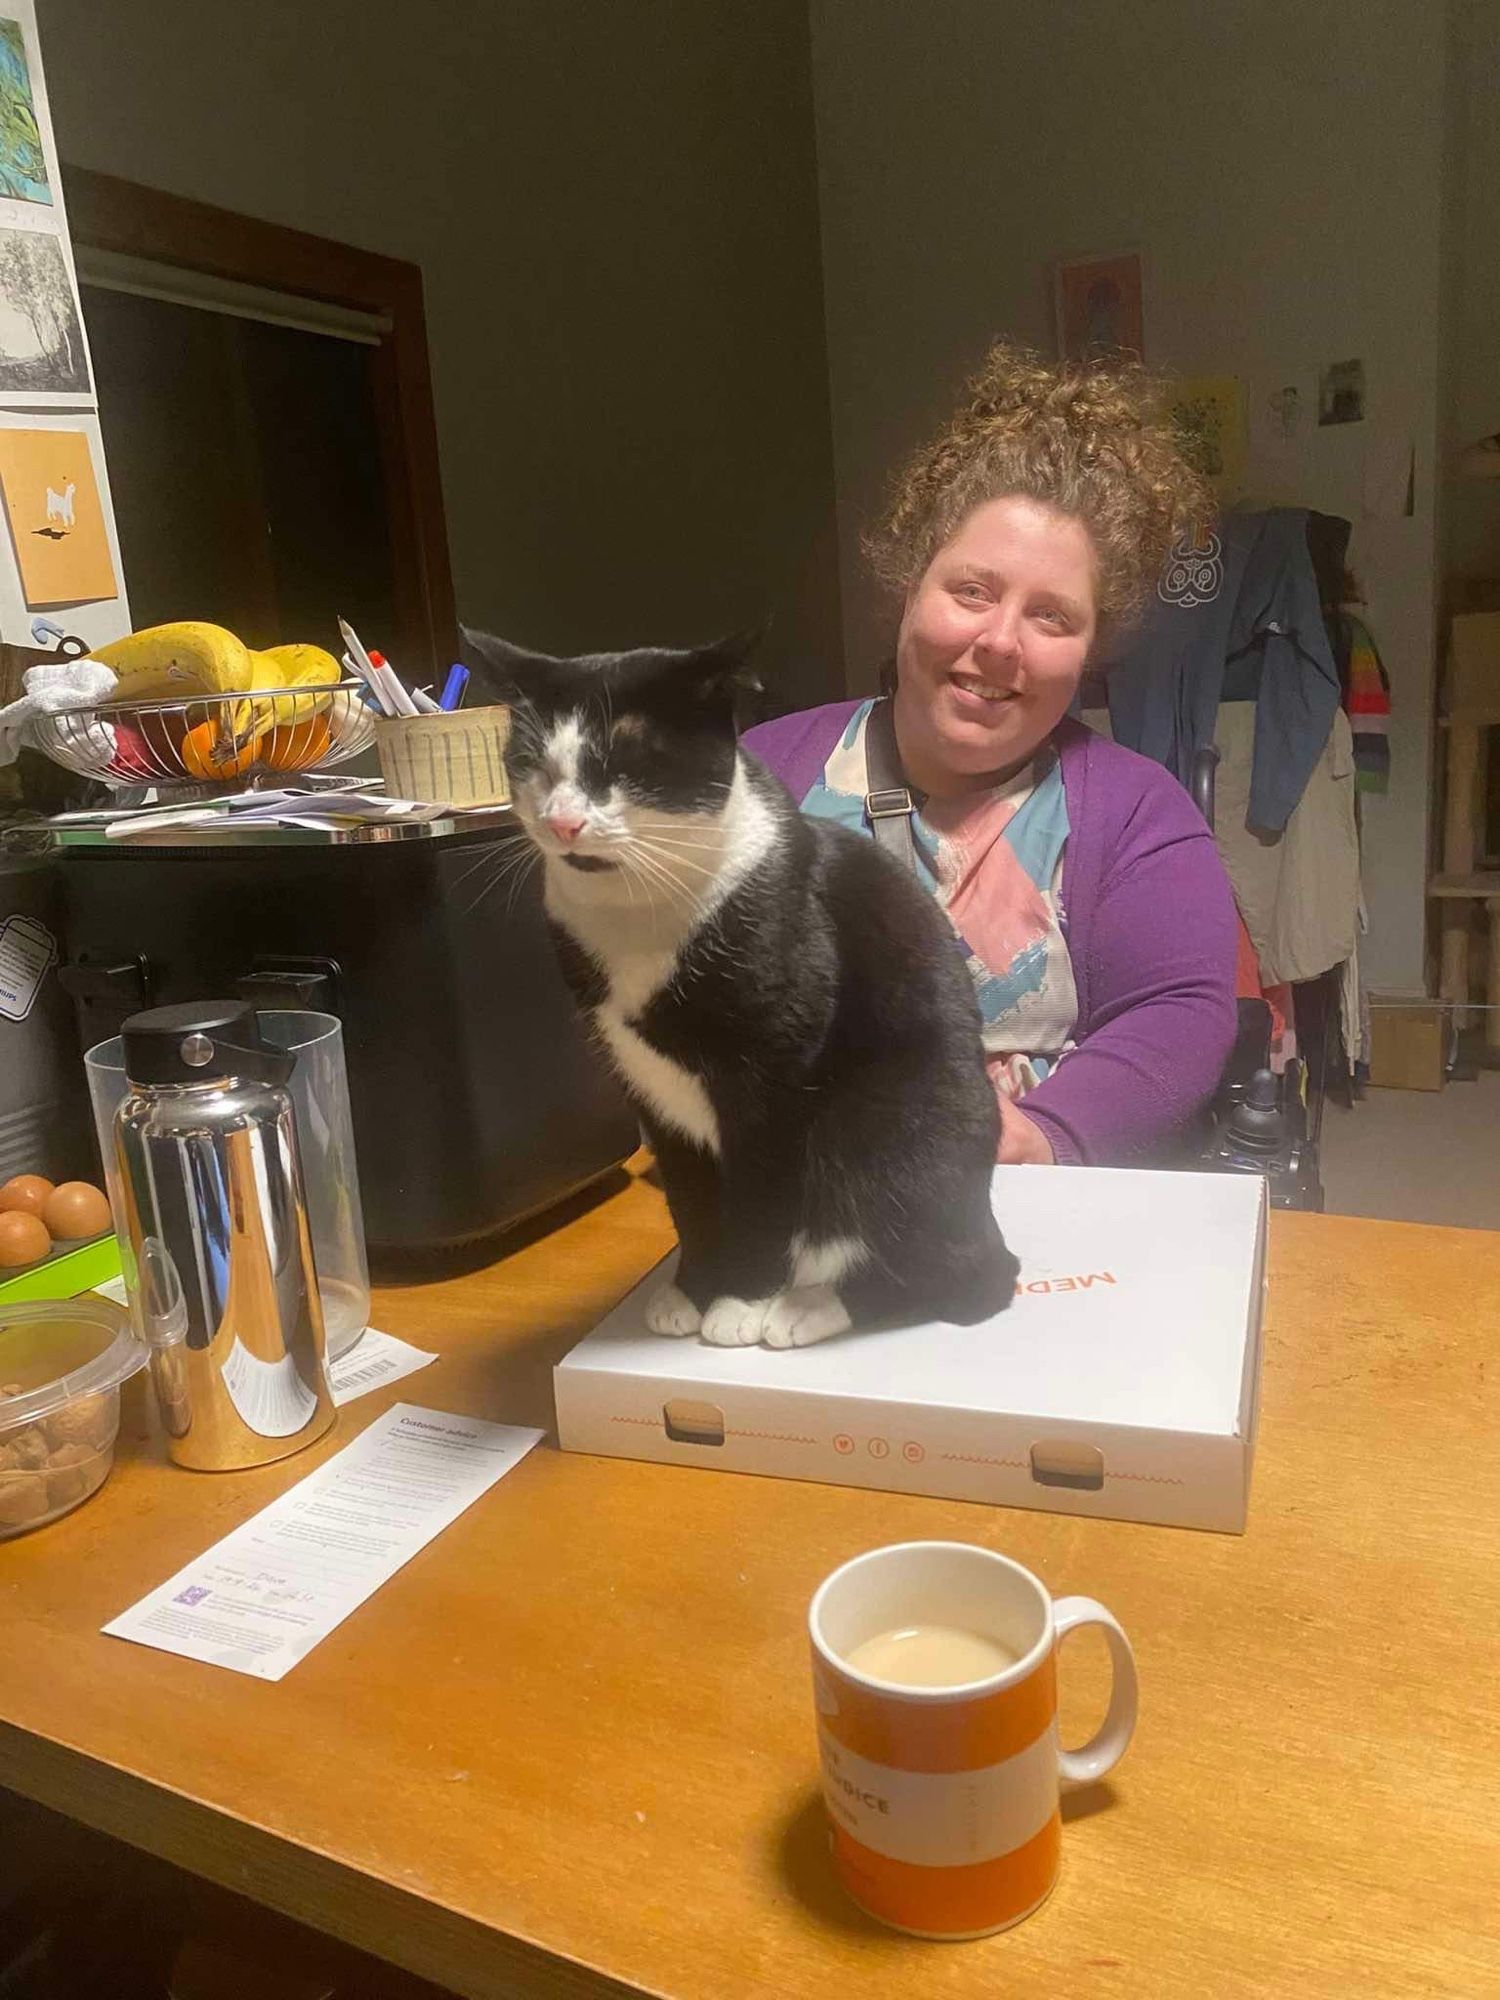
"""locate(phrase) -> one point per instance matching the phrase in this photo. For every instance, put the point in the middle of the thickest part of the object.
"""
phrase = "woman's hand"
(1022, 1142)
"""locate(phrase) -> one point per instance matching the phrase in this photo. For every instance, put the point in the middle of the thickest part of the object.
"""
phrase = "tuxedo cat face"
(612, 754)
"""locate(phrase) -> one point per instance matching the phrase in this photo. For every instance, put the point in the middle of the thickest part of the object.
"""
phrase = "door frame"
(107, 213)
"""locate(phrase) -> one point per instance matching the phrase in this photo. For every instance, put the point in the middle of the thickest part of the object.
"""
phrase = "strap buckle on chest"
(890, 804)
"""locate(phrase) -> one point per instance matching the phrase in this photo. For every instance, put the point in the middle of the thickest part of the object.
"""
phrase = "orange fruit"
(300, 747)
(208, 754)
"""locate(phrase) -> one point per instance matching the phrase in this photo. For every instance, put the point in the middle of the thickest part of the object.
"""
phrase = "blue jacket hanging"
(1235, 618)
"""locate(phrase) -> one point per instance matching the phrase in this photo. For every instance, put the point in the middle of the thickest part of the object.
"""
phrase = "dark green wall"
(614, 205)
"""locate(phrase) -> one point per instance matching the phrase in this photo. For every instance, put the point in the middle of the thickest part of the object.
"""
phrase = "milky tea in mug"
(935, 1684)
(939, 1656)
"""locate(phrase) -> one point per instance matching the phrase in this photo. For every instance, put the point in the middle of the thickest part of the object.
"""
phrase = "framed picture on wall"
(1100, 306)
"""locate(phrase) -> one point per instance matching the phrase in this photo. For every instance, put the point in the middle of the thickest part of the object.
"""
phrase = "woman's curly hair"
(1091, 439)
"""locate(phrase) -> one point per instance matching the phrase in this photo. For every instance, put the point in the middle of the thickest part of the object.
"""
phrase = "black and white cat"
(787, 1008)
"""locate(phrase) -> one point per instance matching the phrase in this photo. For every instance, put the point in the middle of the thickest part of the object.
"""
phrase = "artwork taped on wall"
(1209, 413)
(24, 174)
(61, 553)
(1100, 307)
(1341, 393)
(44, 353)
(56, 518)
(42, 349)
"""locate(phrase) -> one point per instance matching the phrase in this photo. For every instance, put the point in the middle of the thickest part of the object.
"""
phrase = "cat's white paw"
(733, 1322)
(670, 1310)
(798, 1318)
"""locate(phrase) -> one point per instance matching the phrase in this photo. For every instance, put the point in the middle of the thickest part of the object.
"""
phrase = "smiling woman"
(1086, 893)
(993, 645)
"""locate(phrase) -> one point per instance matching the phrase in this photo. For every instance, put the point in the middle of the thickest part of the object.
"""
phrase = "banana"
(301, 666)
(294, 667)
(189, 659)
(184, 658)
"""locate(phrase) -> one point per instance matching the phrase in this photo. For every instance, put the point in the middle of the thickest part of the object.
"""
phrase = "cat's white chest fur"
(637, 968)
(673, 1093)
(637, 944)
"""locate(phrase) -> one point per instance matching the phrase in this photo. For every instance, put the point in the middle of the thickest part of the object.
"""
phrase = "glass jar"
(319, 1090)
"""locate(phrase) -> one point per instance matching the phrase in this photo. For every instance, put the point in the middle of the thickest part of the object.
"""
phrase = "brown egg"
(23, 1240)
(76, 1210)
(25, 1194)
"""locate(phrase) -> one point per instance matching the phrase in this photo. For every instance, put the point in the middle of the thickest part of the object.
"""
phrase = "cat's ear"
(505, 672)
(726, 667)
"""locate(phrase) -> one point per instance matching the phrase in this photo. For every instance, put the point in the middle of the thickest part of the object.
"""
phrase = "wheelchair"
(1259, 1122)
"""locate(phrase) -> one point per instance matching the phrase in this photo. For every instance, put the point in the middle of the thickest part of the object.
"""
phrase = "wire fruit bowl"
(223, 741)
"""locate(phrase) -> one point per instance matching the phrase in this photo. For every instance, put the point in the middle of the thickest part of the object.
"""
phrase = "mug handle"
(1105, 1749)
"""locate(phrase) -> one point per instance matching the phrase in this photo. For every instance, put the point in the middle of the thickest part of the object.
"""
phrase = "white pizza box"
(1122, 1382)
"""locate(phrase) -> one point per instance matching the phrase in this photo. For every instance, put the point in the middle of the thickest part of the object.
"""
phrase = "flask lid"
(200, 1041)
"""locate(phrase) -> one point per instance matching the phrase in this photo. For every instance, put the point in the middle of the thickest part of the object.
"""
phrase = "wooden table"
(570, 1744)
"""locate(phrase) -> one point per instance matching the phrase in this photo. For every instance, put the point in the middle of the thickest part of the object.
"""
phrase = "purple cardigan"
(1149, 919)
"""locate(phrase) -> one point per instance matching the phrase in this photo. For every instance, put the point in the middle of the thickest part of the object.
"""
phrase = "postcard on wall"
(25, 171)
(1209, 414)
(61, 554)
(1341, 393)
(1100, 307)
(44, 356)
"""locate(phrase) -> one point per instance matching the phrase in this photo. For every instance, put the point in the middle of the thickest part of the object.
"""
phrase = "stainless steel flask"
(218, 1253)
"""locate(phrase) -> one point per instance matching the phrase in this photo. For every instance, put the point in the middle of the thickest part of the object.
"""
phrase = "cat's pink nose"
(564, 825)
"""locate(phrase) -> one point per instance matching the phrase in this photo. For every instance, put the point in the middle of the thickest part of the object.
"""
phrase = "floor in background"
(1417, 1155)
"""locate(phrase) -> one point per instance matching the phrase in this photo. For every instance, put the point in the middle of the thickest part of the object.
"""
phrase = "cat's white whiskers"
(664, 850)
(655, 871)
(519, 878)
(679, 823)
(489, 858)
(513, 868)
(665, 868)
(493, 867)
(677, 840)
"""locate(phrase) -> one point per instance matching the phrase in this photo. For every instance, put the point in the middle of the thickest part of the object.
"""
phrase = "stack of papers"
(252, 812)
(261, 809)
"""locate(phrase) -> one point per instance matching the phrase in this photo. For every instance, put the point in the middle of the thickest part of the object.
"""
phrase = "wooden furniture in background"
(120, 217)
(1472, 710)
(568, 1750)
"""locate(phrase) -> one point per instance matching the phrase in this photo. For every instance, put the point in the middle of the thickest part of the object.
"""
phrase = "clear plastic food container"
(61, 1366)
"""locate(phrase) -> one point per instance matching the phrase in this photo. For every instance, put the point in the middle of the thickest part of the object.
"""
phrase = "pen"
(360, 656)
(393, 696)
(393, 685)
(425, 703)
(372, 695)
(454, 688)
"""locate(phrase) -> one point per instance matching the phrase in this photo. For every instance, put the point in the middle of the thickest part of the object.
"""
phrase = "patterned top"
(993, 860)
(1367, 700)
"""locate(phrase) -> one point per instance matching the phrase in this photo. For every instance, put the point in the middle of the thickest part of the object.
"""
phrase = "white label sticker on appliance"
(27, 950)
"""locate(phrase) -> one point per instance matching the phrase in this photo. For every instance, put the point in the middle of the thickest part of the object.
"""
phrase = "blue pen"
(454, 688)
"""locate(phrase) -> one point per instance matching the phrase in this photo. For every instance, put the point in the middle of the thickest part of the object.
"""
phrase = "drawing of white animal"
(60, 505)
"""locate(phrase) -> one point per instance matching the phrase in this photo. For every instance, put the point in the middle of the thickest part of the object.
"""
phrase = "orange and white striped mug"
(944, 1800)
